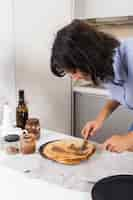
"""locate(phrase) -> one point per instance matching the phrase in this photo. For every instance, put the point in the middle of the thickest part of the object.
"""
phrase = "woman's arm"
(93, 126)
(109, 107)
(119, 143)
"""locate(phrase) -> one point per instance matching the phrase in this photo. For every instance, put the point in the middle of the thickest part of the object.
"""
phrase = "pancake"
(68, 151)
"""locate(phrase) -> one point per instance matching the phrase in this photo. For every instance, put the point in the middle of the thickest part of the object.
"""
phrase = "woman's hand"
(118, 143)
(91, 128)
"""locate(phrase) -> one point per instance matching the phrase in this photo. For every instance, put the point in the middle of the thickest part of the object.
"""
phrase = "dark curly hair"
(80, 46)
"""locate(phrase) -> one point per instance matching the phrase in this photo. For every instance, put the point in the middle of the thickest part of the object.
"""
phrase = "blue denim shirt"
(121, 89)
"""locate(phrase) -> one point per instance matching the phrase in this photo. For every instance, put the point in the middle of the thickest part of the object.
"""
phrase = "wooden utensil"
(85, 142)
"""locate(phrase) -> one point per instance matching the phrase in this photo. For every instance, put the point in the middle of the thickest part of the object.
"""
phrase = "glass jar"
(11, 144)
(27, 143)
(33, 126)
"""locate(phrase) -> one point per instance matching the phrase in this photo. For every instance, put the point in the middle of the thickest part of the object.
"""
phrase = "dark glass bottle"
(21, 111)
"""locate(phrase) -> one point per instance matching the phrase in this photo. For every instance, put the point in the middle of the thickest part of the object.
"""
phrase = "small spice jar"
(33, 126)
(27, 143)
(11, 144)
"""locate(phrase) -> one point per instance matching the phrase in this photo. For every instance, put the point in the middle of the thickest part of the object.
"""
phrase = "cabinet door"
(7, 57)
(103, 8)
(87, 106)
(36, 24)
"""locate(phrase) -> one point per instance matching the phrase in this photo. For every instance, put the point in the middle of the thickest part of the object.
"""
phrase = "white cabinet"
(103, 8)
(86, 108)
(49, 97)
(7, 61)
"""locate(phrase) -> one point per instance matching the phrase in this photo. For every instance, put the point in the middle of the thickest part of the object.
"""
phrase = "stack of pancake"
(68, 151)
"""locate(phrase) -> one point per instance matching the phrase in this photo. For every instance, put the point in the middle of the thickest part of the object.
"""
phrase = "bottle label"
(21, 119)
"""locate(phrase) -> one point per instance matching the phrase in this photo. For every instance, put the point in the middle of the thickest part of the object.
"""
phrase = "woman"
(86, 53)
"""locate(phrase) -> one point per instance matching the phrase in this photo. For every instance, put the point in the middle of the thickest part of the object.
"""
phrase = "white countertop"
(91, 90)
(16, 186)
(36, 167)
(78, 177)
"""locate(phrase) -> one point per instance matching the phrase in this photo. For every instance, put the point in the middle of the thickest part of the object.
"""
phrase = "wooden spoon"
(83, 146)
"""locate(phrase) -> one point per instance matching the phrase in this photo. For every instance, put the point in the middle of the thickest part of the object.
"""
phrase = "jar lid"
(32, 121)
(12, 138)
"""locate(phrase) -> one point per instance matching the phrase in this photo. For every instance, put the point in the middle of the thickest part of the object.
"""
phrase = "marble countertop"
(78, 177)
